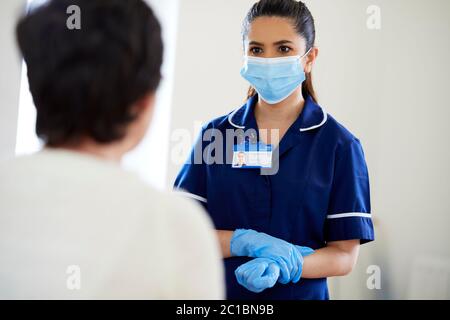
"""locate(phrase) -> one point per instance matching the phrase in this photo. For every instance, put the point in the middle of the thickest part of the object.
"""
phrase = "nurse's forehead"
(270, 30)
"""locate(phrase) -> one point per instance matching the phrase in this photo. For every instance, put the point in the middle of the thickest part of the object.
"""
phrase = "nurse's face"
(273, 37)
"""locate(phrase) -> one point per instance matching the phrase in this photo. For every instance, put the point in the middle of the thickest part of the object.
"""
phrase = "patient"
(73, 225)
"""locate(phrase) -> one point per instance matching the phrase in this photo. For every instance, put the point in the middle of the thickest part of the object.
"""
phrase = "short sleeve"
(349, 215)
(191, 180)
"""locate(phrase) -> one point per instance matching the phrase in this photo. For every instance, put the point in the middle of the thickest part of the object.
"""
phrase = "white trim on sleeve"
(191, 195)
(350, 214)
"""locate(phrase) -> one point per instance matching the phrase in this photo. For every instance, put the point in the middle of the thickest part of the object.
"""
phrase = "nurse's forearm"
(224, 240)
(337, 259)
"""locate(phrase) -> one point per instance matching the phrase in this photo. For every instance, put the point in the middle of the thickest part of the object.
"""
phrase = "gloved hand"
(262, 273)
(258, 274)
(254, 244)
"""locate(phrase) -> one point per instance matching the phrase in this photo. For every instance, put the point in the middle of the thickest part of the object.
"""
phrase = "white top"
(76, 227)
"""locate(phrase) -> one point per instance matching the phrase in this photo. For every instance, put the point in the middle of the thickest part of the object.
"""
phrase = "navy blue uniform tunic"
(319, 194)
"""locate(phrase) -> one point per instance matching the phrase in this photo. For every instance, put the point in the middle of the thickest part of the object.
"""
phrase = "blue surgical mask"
(274, 79)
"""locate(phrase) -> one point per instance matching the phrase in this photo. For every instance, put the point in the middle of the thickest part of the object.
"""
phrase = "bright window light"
(27, 141)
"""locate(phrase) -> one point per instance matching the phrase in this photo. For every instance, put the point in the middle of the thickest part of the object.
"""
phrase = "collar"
(312, 117)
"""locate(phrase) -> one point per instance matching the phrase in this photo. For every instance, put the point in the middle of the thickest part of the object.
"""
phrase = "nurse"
(313, 194)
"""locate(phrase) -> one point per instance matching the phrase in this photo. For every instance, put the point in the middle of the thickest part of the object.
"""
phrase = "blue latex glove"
(305, 251)
(249, 243)
(262, 273)
(258, 274)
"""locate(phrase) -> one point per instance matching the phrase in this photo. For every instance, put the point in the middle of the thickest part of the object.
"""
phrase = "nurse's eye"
(255, 50)
(284, 49)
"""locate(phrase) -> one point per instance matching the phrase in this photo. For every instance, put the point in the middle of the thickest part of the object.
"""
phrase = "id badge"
(252, 156)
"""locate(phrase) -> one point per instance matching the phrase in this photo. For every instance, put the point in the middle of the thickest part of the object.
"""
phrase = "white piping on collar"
(325, 117)
(230, 119)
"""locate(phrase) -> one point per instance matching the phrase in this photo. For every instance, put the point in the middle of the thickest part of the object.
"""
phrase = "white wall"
(389, 87)
(10, 69)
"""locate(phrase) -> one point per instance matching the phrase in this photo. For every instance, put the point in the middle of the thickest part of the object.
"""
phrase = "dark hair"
(303, 21)
(84, 82)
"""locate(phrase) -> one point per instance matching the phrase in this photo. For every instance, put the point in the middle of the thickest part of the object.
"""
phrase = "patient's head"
(96, 83)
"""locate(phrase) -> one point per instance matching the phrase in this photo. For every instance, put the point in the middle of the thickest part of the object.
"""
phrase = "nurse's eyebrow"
(255, 43)
(282, 42)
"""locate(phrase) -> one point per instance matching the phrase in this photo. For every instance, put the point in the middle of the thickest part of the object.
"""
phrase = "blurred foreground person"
(73, 224)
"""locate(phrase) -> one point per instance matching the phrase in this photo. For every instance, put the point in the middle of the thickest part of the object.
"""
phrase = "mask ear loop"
(307, 52)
